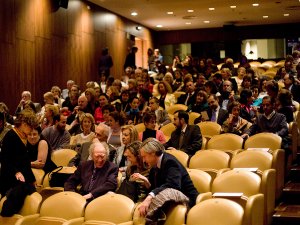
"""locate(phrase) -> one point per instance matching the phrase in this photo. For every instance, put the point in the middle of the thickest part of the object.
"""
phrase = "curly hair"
(28, 117)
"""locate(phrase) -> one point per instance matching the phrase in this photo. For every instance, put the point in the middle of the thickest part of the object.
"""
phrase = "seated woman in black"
(39, 151)
(150, 124)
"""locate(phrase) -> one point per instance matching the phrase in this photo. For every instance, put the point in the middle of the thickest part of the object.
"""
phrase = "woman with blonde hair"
(166, 98)
(87, 125)
(50, 112)
(129, 135)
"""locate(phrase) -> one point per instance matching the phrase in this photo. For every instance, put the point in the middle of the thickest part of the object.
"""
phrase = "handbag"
(129, 189)
(60, 175)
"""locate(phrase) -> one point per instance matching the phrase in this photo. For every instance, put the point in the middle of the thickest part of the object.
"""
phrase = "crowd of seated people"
(240, 100)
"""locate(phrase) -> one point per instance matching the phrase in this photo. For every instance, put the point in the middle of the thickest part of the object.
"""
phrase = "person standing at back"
(130, 58)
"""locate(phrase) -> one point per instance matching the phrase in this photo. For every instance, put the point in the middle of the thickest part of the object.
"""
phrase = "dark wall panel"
(42, 46)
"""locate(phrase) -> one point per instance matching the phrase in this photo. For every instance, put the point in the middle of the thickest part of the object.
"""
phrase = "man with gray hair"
(97, 176)
(166, 172)
(101, 135)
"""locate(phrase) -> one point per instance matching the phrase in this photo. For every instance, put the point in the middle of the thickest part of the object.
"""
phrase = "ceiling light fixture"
(134, 13)
(265, 17)
(211, 9)
(233, 6)
(170, 13)
(138, 27)
(190, 10)
(286, 14)
(206, 21)
(188, 23)
(255, 4)
(159, 25)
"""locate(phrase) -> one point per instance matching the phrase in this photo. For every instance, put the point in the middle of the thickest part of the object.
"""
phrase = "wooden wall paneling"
(59, 60)
(44, 68)
(74, 13)
(99, 45)
(25, 66)
(74, 59)
(89, 62)
(43, 19)
(87, 21)
(8, 76)
(99, 20)
(25, 19)
(7, 21)
(59, 21)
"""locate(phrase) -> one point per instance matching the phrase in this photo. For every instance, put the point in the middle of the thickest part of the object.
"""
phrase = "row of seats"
(69, 208)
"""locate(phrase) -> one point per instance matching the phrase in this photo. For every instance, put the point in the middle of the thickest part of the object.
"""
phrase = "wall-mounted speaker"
(64, 3)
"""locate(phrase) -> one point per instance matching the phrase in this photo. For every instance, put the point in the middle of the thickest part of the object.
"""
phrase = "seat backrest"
(214, 212)
(66, 205)
(192, 117)
(31, 204)
(111, 207)
(173, 108)
(168, 129)
(212, 159)
(176, 215)
(225, 142)
(62, 157)
(254, 158)
(181, 156)
(209, 129)
(140, 127)
(245, 182)
(264, 140)
(201, 180)
(39, 175)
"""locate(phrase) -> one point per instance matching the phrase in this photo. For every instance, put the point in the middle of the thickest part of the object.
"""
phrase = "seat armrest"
(75, 221)
(28, 220)
(254, 210)
(203, 196)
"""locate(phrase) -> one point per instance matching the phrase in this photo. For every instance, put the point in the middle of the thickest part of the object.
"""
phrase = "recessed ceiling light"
(88, 7)
(188, 23)
(255, 4)
(286, 14)
(190, 10)
(211, 9)
(206, 21)
(134, 13)
(159, 25)
(170, 13)
(265, 17)
(233, 6)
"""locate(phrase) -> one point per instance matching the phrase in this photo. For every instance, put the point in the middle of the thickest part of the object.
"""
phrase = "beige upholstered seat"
(192, 117)
(39, 175)
(209, 161)
(140, 127)
(201, 180)
(250, 184)
(181, 156)
(177, 94)
(216, 212)
(173, 108)
(176, 215)
(57, 209)
(168, 129)
(209, 129)
(263, 161)
(263, 140)
(31, 206)
(62, 157)
(225, 142)
(110, 208)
